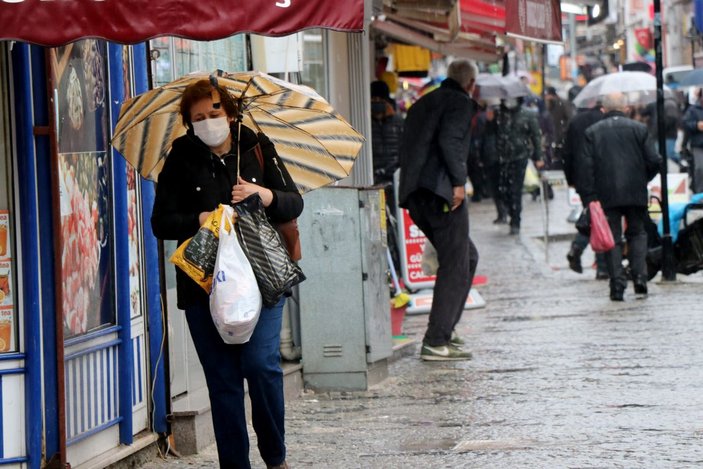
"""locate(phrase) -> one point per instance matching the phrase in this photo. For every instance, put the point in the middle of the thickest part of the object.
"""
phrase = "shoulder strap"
(259, 155)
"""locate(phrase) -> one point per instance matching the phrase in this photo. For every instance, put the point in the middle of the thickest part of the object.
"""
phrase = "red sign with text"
(412, 244)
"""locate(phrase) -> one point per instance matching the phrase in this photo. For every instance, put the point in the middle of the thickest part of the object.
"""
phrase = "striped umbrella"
(317, 145)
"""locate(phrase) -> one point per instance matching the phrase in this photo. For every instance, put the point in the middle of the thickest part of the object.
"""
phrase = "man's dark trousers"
(636, 245)
(448, 231)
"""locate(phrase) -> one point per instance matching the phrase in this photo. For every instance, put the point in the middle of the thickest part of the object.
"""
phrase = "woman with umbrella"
(216, 163)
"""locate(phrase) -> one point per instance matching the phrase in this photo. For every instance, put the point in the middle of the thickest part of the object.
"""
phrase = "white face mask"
(213, 132)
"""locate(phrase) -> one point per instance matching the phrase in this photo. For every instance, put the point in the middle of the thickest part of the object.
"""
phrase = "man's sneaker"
(441, 353)
(456, 340)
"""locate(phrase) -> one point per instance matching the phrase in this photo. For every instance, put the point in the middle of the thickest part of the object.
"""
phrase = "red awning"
(54, 23)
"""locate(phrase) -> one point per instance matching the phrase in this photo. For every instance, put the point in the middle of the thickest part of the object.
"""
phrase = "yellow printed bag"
(196, 256)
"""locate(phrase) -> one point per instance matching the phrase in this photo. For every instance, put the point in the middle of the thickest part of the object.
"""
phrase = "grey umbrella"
(694, 78)
(495, 86)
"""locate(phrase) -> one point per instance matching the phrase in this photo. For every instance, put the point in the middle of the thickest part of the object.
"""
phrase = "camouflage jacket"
(519, 136)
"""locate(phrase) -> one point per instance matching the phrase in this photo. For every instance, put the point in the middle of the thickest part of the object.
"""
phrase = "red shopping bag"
(601, 236)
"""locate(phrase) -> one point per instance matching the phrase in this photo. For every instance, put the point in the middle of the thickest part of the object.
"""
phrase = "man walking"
(617, 160)
(575, 137)
(433, 160)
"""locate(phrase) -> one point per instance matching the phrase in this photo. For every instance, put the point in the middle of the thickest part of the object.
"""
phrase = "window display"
(86, 244)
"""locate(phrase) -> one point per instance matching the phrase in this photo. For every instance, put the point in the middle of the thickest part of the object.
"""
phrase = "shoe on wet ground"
(456, 340)
(283, 465)
(514, 230)
(640, 289)
(500, 221)
(574, 262)
(444, 353)
(617, 294)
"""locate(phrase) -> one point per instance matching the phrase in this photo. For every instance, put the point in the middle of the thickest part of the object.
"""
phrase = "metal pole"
(668, 266)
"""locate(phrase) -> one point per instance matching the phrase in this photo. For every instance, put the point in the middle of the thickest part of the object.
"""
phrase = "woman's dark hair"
(203, 89)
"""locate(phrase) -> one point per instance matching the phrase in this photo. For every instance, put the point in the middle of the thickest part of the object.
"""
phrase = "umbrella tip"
(215, 93)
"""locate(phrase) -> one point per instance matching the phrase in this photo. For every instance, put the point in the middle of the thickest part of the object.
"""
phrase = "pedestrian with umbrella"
(519, 139)
(222, 160)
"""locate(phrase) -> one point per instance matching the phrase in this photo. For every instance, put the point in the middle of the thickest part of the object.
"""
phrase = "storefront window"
(85, 202)
(8, 267)
(314, 53)
(175, 57)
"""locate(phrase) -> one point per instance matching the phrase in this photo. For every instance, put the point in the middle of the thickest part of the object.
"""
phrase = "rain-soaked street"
(561, 376)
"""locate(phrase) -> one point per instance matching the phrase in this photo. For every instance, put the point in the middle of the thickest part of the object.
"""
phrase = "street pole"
(668, 267)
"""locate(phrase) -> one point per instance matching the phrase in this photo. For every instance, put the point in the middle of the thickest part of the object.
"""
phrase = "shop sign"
(412, 243)
(538, 20)
(54, 23)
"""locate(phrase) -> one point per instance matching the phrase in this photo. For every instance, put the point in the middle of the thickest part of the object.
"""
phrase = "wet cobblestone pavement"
(561, 376)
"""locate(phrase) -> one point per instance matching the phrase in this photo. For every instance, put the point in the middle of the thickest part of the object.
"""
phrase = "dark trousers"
(226, 367)
(493, 178)
(636, 236)
(512, 178)
(448, 231)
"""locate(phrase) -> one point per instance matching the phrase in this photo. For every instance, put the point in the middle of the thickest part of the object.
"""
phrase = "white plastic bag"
(235, 300)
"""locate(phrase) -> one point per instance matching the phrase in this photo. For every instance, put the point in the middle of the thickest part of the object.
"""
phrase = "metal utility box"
(344, 303)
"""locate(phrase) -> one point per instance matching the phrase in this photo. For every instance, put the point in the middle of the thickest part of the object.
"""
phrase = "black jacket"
(195, 180)
(436, 141)
(575, 137)
(616, 162)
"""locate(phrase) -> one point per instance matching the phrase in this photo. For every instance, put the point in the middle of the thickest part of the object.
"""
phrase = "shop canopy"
(469, 28)
(57, 22)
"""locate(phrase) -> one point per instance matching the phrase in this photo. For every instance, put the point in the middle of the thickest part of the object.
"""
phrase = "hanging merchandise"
(411, 60)
(196, 256)
(275, 272)
(235, 300)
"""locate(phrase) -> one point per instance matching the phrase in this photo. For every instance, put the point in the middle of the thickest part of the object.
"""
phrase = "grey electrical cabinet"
(344, 303)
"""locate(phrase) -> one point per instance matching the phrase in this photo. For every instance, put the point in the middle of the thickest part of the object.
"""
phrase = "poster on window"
(80, 73)
(7, 327)
(5, 235)
(85, 242)
(6, 307)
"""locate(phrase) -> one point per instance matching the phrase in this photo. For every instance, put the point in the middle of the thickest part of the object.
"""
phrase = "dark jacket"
(693, 114)
(386, 135)
(195, 180)
(435, 144)
(575, 138)
(519, 135)
(616, 162)
(560, 112)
